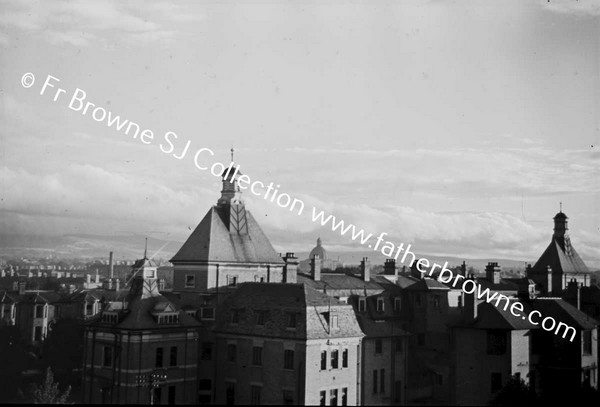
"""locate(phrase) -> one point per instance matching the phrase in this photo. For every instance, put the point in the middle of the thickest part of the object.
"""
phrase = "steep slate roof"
(504, 285)
(560, 259)
(427, 284)
(279, 299)
(562, 311)
(211, 241)
(491, 317)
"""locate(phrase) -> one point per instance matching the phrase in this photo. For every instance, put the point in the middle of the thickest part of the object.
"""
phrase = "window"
(207, 313)
(496, 379)
(288, 359)
(235, 316)
(362, 305)
(231, 352)
(292, 320)
(171, 395)
(398, 345)
(378, 346)
(333, 395)
(111, 318)
(39, 311)
(255, 395)
(322, 398)
(288, 398)
(261, 316)
(436, 302)
(173, 356)
(230, 393)
(206, 353)
(334, 322)
(323, 360)
(37, 334)
(232, 281)
(107, 356)
(587, 342)
(344, 396)
(382, 380)
(380, 304)
(158, 362)
(190, 281)
(375, 387)
(334, 359)
(345, 358)
(496, 342)
(89, 309)
(257, 356)
(397, 304)
(168, 319)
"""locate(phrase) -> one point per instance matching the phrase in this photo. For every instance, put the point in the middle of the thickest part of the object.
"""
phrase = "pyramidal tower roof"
(560, 255)
(228, 232)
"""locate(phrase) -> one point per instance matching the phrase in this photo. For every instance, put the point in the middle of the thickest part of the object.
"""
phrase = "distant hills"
(129, 247)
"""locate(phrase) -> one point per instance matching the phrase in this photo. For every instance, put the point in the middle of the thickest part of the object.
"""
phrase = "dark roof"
(562, 311)
(504, 285)
(560, 215)
(277, 299)
(491, 317)
(427, 284)
(561, 257)
(212, 241)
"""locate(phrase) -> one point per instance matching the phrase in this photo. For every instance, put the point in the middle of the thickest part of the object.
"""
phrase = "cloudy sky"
(454, 125)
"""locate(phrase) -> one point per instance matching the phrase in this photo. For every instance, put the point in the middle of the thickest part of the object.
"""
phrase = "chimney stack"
(492, 273)
(463, 269)
(389, 268)
(290, 270)
(111, 269)
(117, 284)
(315, 268)
(365, 272)
(22, 286)
(470, 306)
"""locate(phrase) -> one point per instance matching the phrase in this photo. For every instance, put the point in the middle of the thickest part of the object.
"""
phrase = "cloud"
(85, 23)
(581, 8)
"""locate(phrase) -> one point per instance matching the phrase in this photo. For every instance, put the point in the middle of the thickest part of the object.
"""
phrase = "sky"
(454, 125)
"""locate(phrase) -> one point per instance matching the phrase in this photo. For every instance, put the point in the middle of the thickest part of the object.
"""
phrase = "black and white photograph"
(300, 202)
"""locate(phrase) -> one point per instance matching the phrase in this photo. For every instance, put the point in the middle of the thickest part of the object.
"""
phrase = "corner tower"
(228, 247)
(560, 263)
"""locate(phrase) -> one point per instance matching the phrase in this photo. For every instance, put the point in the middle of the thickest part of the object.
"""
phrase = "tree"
(13, 360)
(48, 393)
(515, 393)
(63, 351)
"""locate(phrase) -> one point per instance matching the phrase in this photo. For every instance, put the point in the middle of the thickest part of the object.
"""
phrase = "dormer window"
(380, 307)
(110, 317)
(168, 318)
(362, 305)
(397, 304)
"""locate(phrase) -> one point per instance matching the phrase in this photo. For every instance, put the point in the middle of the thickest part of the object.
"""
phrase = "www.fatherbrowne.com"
(78, 102)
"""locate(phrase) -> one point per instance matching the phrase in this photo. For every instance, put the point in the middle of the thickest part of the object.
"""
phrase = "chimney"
(315, 268)
(15, 286)
(111, 269)
(574, 293)
(463, 269)
(470, 306)
(365, 272)
(404, 270)
(117, 284)
(88, 278)
(528, 271)
(414, 271)
(389, 268)
(290, 270)
(97, 277)
(549, 289)
(71, 288)
(22, 286)
(492, 273)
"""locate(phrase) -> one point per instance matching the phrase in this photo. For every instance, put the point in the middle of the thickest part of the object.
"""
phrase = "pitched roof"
(504, 285)
(491, 317)
(212, 241)
(561, 257)
(278, 299)
(427, 284)
(562, 311)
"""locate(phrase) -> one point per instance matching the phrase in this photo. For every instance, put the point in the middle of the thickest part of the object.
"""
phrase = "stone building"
(287, 344)
(141, 349)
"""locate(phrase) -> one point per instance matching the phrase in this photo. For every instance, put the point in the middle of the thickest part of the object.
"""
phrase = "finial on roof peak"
(146, 249)
(318, 241)
(232, 151)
